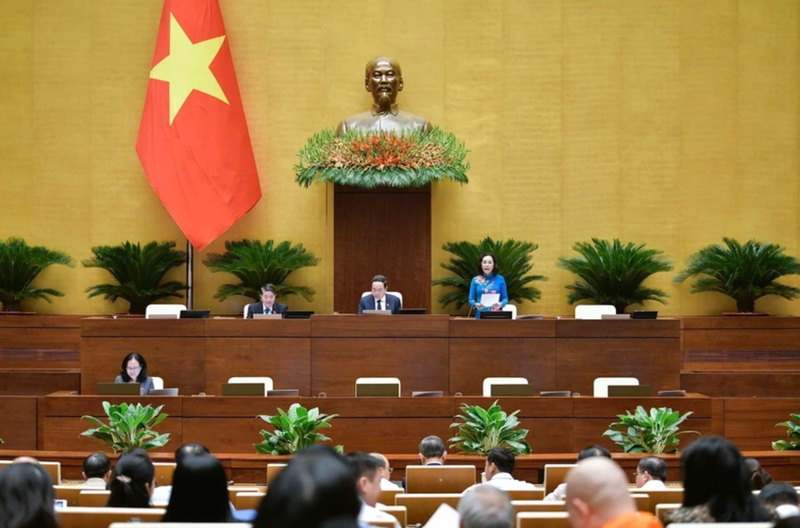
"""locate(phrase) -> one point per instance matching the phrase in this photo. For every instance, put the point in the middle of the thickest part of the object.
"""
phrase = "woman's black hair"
(714, 474)
(130, 484)
(316, 488)
(26, 497)
(199, 492)
(142, 373)
(494, 263)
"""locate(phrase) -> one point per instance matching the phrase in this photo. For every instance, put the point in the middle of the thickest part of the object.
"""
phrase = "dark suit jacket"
(258, 307)
(368, 303)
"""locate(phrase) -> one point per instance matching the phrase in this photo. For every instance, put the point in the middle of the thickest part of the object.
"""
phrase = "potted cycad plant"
(792, 442)
(294, 430)
(514, 262)
(744, 272)
(655, 432)
(20, 264)
(613, 273)
(129, 426)
(481, 429)
(139, 273)
(255, 264)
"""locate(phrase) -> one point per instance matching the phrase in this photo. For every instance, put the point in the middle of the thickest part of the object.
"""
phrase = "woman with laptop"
(487, 292)
(134, 370)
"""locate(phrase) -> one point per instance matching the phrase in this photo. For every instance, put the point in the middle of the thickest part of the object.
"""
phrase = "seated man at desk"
(379, 300)
(267, 304)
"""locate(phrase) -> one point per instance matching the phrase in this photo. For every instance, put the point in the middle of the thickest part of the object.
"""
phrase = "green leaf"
(792, 443)
(129, 427)
(20, 265)
(655, 431)
(293, 430)
(480, 430)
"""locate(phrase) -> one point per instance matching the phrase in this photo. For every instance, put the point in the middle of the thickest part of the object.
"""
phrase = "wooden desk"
(40, 341)
(19, 427)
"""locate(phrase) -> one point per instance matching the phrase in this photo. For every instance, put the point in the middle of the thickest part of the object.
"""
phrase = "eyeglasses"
(133, 368)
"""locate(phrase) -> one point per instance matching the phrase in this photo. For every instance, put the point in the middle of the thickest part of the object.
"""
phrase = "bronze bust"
(384, 80)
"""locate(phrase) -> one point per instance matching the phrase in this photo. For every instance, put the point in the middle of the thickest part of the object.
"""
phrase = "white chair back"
(488, 382)
(594, 311)
(158, 383)
(601, 385)
(396, 294)
(511, 308)
(266, 380)
(163, 309)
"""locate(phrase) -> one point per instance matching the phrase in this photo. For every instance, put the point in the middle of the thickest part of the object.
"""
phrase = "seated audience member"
(96, 471)
(316, 489)
(134, 370)
(485, 506)
(498, 469)
(560, 493)
(716, 485)
(780, 498)
(26, 497)
(651, 474)
(163, 493)
(431, 451)
(386, 473)
(366, 470)
(598, 496)
(267, 304)
(199, 492)
(25, 460)
(758, 475)
(133, 481)
(379, 300)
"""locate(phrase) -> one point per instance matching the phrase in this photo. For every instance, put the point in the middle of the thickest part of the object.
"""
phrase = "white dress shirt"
(654, 484)
(388, 485)
(94, 483)
(383, 303)
(368, 513)
(505, 481)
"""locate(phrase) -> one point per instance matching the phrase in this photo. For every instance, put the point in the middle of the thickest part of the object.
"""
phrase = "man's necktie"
(267, 311)
(379, 305)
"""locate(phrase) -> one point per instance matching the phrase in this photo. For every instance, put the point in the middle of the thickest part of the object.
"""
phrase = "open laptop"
(243, 389)
(298, 314)
(412, 311)
(283, 392)
(629, 390)
(495, 315)
(267, 316)
(195, 314)
(376, 312)
(163, 316)
(512, 390)
(118, 389)
(163, 392)
(377, 389)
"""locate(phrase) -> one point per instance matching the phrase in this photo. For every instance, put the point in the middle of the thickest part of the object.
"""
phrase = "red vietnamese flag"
(193, 140)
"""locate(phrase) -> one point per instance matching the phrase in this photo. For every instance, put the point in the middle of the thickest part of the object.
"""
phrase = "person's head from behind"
(500, 460)
(367, 470)
(593, 451)
(133, 480)
(650, 468)
(379, 284)
(316, 487)
(97, 465)
(26, 497)
(199, 491)
(190, 449)
(758, 475)
(431, 449)
(597, 491)
(714, 474)
(780, 497)
(134, 368)
(485, 506)
(268, 295)
(386, 468)
(488, 264)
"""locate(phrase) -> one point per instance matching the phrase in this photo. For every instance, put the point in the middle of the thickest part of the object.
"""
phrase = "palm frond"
(514, 262)
(257, 263)
(20, 264)
(138, 272)
(613, 273)
(745, 272)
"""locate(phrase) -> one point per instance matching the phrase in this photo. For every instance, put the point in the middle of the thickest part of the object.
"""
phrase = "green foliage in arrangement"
(482, 429)
(793, 435)
(19, 266)
(375, 159)
(129, 426)
(294, 431)
(255, 264)
(745, 272)
(613, 273)
(138, 271)
(656, 432)
(514, 262)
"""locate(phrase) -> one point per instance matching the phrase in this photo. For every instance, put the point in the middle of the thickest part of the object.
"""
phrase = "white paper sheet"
(488, 299)
(444, 517)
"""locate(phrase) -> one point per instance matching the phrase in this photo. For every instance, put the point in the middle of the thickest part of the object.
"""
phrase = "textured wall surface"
(670, 122)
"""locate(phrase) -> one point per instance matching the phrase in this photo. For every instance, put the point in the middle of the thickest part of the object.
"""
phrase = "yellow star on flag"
(186, 68)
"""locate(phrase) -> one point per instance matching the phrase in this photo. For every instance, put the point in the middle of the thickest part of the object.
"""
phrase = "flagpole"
(190, 275)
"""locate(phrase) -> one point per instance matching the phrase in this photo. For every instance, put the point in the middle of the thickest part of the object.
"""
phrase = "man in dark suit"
(379, 300)
(267, 304)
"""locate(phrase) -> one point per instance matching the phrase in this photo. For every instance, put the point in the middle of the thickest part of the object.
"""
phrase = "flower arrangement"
(382, 159)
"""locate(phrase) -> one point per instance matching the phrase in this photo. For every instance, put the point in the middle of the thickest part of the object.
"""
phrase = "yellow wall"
(661, 121)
